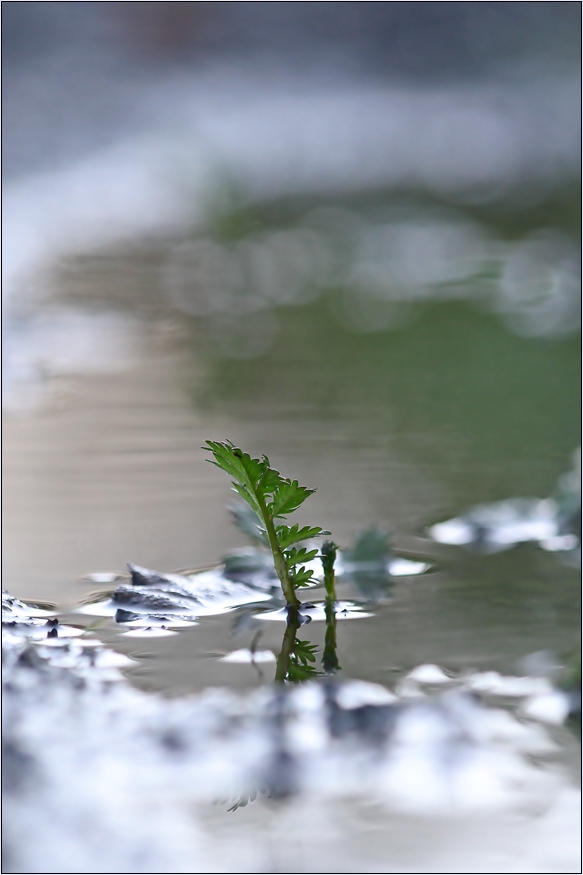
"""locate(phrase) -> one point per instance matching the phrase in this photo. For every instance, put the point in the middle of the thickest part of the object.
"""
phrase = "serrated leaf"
(254, 469)
(297, 557)
(243, 490)
(305, 650)
(271, 481)
(238, 464)
(288, 535)
(302, 657)
(301, 576)
(298, 673)
(225, 459)
(288, 497)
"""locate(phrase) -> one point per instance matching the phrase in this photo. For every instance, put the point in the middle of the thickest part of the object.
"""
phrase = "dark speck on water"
(173, 741)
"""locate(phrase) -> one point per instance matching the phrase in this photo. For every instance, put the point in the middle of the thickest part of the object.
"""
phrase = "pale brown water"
(397, 429)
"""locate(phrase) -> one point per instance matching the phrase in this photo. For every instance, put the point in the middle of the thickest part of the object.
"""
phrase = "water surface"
(396, 428)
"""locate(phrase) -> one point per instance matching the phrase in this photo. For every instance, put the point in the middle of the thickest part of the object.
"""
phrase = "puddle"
(420, 439)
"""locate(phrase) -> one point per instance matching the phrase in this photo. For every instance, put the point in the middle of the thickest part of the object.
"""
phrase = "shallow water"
(398, 429)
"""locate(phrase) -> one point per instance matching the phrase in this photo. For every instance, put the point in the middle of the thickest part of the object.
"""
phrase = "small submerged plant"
(272, 497)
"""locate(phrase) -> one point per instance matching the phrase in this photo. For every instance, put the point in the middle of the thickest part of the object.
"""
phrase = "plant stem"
(281, 568)
(287, 645)
(329, 659)
(328, 556)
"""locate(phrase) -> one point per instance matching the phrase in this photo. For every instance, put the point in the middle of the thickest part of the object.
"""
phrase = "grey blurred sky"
(75, 74)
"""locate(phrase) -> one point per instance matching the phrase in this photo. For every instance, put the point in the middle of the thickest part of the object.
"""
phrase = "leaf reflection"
(297, 658)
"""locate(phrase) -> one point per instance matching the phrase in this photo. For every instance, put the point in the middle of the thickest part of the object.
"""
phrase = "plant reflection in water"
(297, 658)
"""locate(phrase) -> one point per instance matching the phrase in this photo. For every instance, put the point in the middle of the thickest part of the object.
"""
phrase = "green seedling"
(272, 498)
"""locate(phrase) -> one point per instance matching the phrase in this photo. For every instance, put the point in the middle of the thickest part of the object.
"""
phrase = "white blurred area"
(123, 123)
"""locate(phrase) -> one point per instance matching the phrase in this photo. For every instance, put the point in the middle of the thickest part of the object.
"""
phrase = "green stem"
(287, 645)
(329, 658)
(328, 556)
(281, 568)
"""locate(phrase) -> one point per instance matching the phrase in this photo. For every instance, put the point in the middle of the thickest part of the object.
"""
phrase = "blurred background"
(343, 234)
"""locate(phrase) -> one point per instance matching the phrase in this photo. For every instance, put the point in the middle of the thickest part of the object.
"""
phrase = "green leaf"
(298, 557)
(288, 497)
(243, 491)
(287, 535)
(225, 459)
(298, 673)
(300, 664)
(301, 576)
(254, 468)
(271, 481)
(305, 651)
